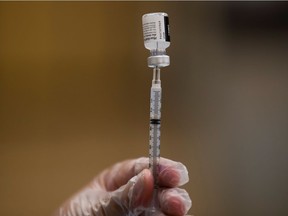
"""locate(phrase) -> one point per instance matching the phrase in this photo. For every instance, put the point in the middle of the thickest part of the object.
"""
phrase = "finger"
(174, 201)
(172, 173)
(118, 175)
(132, 197)
(143, 189)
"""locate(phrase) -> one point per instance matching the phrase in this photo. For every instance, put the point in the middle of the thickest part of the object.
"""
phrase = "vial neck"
(156, 52)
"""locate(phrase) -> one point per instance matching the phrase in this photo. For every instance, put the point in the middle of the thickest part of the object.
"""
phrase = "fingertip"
(140, 164)
(143, 189)
(148, 187)
(169, 178)
(183, 173)
(175, 201)
(173, 176)
(174, 206)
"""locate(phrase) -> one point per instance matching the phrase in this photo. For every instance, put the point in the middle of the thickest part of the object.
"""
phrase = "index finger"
(171, 173)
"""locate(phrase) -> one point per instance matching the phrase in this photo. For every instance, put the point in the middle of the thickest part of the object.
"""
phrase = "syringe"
(154, 138)
(156, 39)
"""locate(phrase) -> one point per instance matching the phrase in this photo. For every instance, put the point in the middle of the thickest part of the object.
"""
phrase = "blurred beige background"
(74, 99)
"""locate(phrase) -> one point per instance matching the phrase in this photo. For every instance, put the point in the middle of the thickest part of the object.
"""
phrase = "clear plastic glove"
(126, 189)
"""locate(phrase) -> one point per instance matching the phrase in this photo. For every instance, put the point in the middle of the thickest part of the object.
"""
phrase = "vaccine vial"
(156, 35)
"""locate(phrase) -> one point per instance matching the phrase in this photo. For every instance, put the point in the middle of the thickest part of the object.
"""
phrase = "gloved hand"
(126, 189)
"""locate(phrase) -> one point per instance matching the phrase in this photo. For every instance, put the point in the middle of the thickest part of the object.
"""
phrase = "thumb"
(132, 197)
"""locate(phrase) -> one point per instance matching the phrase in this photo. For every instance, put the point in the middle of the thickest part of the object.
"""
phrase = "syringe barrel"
(154, 138)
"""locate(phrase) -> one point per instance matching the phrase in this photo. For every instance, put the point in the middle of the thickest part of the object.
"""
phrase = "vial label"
(156, 28)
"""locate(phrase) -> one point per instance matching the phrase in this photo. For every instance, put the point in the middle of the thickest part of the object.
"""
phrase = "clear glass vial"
(156, 35)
